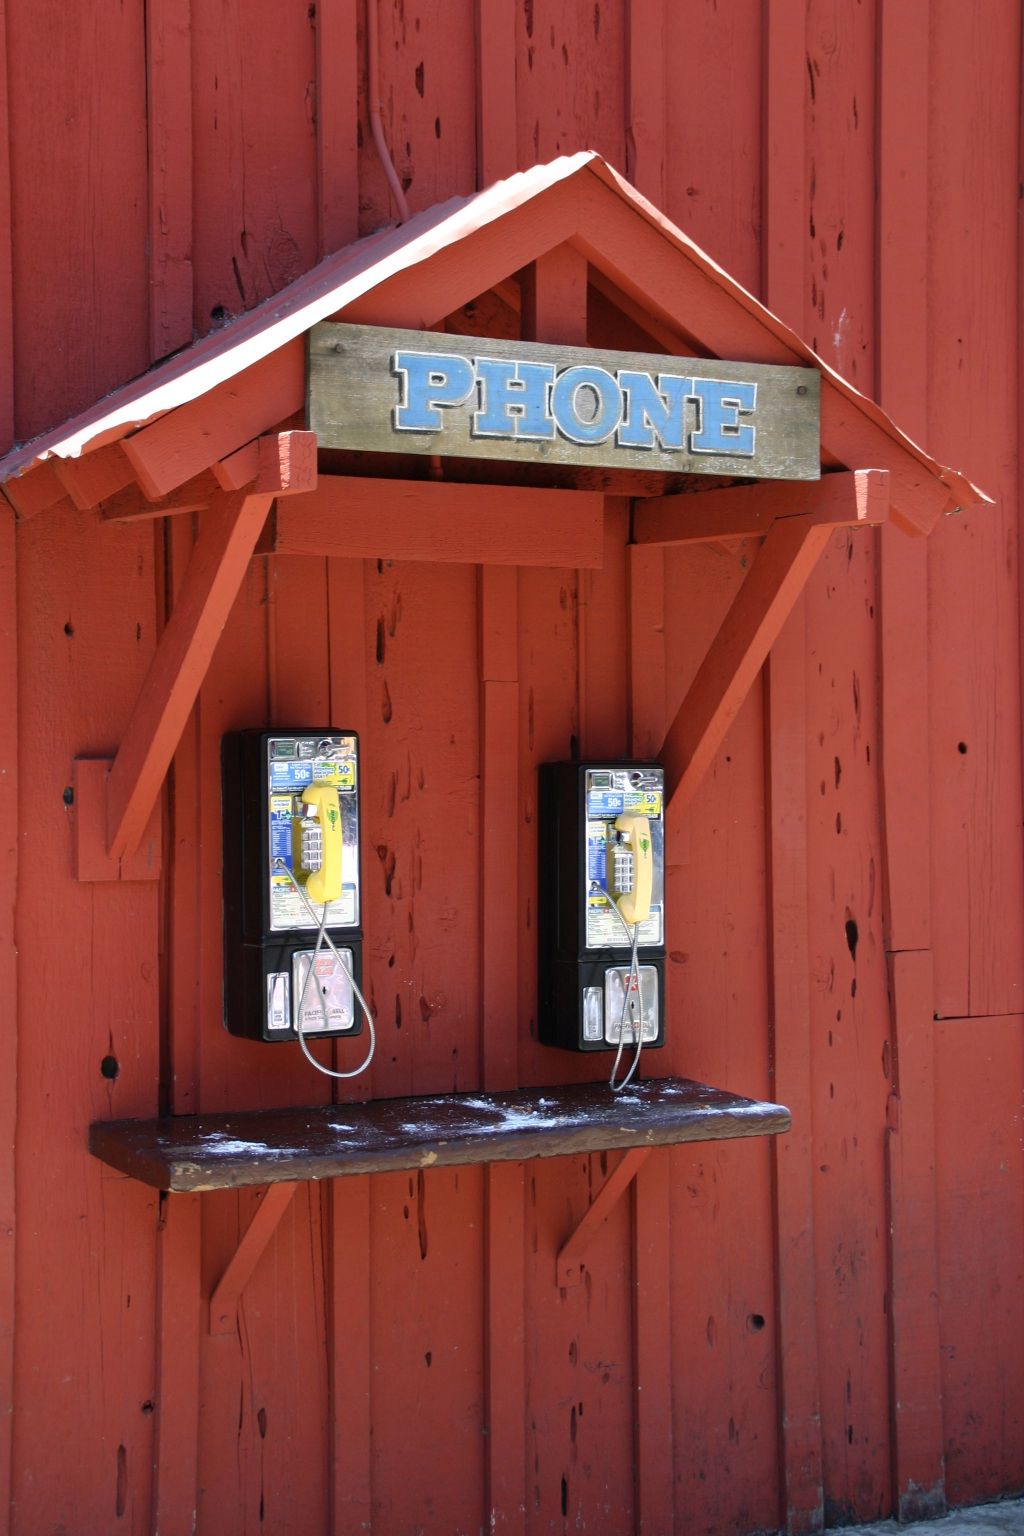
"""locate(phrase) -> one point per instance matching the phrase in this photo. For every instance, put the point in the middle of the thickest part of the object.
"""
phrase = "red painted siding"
(404, 1357)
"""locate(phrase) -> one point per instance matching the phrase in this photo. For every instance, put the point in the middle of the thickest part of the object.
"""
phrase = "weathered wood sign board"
(392, 391)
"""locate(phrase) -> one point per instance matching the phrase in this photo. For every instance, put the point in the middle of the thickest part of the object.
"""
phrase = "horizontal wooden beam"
(214, 575)
(35, 491)
(857, 498)
(92, 477)
(191, 438)
(737, 653)
(438, 520)
(131, 504)
(286, 463)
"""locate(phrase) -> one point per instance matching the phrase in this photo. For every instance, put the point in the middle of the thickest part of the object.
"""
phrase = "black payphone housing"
(585, 944)
(291, 862)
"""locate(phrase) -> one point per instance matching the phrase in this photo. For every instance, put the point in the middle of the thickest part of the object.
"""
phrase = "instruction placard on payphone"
(291, 877)
(601, 905)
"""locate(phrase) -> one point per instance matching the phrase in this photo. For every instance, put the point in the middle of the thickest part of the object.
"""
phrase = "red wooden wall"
(833, 1326)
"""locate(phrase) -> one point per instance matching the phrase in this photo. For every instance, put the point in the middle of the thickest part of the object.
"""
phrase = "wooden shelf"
(192, 1153)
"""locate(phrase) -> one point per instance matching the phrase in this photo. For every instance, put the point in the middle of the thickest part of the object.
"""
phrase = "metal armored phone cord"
(634, 976)
(321, 936)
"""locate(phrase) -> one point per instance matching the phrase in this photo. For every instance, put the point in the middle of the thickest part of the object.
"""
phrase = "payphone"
(292, 934)
(601, 908)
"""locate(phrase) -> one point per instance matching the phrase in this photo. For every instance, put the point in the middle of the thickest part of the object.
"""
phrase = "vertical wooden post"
(8, 984)
(784, 263)
(919, 1487)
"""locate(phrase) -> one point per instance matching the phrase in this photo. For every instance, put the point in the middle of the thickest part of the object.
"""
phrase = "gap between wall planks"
(919, 1489)
(337, 124)
(169, 100)
(783, 288)
(8, 985)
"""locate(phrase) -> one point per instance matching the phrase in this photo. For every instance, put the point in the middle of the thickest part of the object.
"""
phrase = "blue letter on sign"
(513, 399)
(605, 401)
(651, 411)
(429, 380)
(721, 404)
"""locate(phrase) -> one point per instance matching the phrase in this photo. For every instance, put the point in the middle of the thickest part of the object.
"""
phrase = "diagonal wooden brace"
(569, 1267)
(780, 570)
(136, 774)
(225, 1294)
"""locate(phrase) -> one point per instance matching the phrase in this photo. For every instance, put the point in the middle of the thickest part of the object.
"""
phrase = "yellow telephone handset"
(635, 905)
(324, 884)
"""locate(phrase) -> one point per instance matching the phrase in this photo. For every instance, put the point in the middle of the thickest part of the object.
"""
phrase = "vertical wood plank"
(349, 1362)
(903, 363)
(184, 906)
(975, 768)
(178, 1351)
(348, 1227)
(179, 1233)
(645, 109)
(979, 1088)
(8, 986)
(652, 1225)
(784, 150)
(169, 105)
(496, 90)
(919, 1467)
(647, 699)
(504, 1366)
(337, 123)
(653, 1440)
(792, 1175)
(346, 687)
(499, 841)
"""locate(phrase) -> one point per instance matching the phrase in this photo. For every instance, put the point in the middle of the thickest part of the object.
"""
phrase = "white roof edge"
(336, 281)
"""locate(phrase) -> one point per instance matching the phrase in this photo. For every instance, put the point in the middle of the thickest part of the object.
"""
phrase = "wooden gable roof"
(203, 405)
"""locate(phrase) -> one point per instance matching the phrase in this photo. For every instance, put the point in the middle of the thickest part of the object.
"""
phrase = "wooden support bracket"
(569, 1267)
(854, 498)
(779, 572)
(114, 814)
(225, 1294)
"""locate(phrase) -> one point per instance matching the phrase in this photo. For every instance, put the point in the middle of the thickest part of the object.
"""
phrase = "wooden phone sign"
(390, 391)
